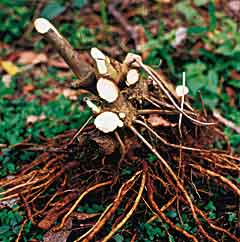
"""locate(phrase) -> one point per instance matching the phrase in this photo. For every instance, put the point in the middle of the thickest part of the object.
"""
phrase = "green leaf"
(234, 83)
(212, 215)
(212, 81)
(4, 229)
(200, 3)
(79, 3)
(232, 217)
(197, 30)
(185, 8)
(118, 238)
(210, 206)
(171, 238)
(195, 83)
(212, 15)
(52, 10)
(210, 100)
(10, 167)
(151, 158)
(225, 49)
(172, 214)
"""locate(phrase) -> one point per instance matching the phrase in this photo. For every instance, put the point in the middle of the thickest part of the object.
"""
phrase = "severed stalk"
(81, 69)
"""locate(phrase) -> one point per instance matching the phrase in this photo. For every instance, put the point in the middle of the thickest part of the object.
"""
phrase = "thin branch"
(82, 70)
(226, 122)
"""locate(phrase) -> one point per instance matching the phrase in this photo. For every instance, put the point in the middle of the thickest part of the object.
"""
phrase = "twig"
(21, 230)
(81, 69)
(182, 103)
(226, 122)
(80, 130)
(120, 18)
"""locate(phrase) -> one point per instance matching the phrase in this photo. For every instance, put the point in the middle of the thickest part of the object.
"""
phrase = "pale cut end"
(131, 58)
(100, 58)
(93, 106)
(101, 66)
(181, 90)
(42, 26)
(107, 122)
(107, 90)
(122, 115)
(132, 77)
(97, 54)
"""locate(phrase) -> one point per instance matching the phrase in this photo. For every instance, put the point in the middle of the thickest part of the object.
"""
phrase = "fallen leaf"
(60, 236)
(6, 79)
(9, 203)
(234, 6)
(33, 118)
(155, 120)
(83, 216)
(58, 62)
(9, 67)
(180, 36)
(235, 75)
(70, 94)
(28, 88)
(29, 57)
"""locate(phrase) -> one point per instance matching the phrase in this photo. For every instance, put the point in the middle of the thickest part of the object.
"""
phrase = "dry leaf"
(29, 57)
(33, 118)
(83, 216)
(60, 236)
(155, 120)
(234, 6)
(28, 88)
(6, 79)
(9, 67)
(70, 94)
(58, 62)
(180, 36)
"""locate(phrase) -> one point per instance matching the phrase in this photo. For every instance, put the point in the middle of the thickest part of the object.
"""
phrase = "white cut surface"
(107, 122)
(101, 66)
(97, 54)
(181, 90)
(130, 59)
(93, 106)
(42, 26)
(132, 77)
(107, 90)
(122, 115)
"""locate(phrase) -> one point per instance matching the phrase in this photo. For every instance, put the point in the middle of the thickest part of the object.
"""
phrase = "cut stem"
(81, 69)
